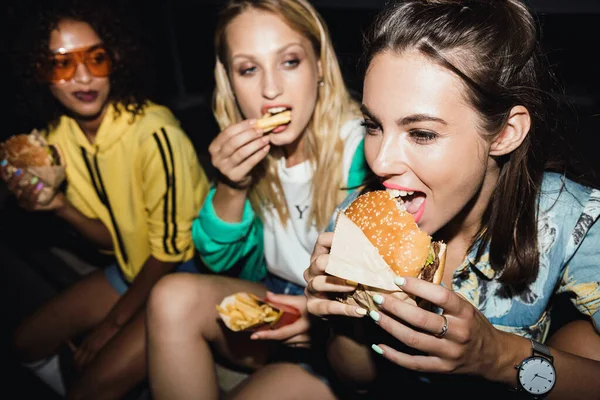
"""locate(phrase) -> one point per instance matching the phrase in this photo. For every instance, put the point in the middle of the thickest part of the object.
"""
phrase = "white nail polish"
(400, 281)
(374, 315)
(378, 299)
(377, 349)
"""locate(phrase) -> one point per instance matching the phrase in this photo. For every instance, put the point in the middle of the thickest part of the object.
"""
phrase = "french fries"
(269, 121)
(244, 311)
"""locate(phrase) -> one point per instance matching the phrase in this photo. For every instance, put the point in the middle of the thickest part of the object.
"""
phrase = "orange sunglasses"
(63, 63)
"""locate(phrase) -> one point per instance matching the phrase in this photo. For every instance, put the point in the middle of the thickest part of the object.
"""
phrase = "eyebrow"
(279, 51)
(365, 110)
(410, 119)
(63, 50)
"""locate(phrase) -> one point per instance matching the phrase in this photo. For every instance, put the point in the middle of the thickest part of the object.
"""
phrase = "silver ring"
(444, 328)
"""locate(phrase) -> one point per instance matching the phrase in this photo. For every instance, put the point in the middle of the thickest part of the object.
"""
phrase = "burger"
(29, 150)
(35, 157)
(393, 232)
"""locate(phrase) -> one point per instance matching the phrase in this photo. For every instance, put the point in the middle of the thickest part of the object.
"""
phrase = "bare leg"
(577, 337)
(282, 381)
(183, 329)
(118, 367)
(70, 313)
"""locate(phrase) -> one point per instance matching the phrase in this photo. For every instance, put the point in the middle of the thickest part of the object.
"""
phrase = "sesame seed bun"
(397, 237)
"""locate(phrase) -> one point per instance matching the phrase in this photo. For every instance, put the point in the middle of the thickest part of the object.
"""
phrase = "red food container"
(287, 314)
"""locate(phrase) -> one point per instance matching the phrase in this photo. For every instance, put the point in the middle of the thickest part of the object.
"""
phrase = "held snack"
(274, 118)
(246, 312)
(375, 239)
(35, 157)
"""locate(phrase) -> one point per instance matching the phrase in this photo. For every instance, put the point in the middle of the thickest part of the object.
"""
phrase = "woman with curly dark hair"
(134, 185)
(131, 79)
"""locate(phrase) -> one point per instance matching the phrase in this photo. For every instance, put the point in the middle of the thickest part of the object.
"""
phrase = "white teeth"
(276, 110)
(399, 193)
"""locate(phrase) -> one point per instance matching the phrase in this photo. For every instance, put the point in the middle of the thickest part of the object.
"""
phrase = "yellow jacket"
(141, 178)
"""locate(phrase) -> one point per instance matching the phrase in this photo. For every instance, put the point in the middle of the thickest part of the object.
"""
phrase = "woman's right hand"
(27, 194)
(321, 287)
(237, 150)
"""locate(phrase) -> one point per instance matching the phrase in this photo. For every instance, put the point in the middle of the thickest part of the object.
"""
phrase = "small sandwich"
(274, 117)
(30, 153)
(375, 239)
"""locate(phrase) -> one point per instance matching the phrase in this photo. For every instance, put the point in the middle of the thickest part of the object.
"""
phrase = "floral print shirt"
(569, 247)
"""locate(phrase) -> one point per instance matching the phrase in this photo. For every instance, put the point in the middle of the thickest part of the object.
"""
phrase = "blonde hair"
(323, 145)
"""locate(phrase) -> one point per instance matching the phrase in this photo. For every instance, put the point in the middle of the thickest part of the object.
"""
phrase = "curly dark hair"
(132, 75)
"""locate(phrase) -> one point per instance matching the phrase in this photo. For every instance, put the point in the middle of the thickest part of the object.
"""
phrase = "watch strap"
(541, 349)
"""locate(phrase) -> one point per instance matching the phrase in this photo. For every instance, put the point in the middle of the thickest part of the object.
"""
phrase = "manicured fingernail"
(361, 311)
(378, 299)
(3, 163)
(351, 283)
(18, 172)
(39, 186)
(254, 337)
(374, 315)
(400, 281)
(377, 349)
(251, 121)
(34, 180)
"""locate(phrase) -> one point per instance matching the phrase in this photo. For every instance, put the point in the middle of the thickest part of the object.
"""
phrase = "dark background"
(181, 47)
(180, 33)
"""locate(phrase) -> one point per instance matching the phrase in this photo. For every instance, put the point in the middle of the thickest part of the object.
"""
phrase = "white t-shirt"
(288, 248)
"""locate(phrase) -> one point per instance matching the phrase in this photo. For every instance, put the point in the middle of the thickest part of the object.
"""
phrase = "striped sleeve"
(173, 188)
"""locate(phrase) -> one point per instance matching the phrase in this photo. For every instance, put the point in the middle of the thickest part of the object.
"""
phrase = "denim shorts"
(117, 280)
(280, 286)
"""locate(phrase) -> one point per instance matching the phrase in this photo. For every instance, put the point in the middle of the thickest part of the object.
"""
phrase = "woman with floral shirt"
(459, 119)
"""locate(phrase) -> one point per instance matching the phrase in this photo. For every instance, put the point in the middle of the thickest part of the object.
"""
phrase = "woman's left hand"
(27, 188)
(466, 344)
(93, 343)
(296, 333)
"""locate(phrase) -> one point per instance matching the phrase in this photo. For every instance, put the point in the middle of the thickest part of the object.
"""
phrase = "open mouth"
(86, 97)
(411, 201)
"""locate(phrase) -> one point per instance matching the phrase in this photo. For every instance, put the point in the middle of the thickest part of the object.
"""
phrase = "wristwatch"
(536, 374)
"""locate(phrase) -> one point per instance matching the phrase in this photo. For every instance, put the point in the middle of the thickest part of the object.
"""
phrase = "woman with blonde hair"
(275, 192)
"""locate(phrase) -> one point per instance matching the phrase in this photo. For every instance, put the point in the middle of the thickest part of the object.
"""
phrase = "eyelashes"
(419, 136)
(288, 64)
(370, 127)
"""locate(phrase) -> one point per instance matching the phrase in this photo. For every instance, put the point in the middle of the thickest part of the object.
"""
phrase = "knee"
(173, 301)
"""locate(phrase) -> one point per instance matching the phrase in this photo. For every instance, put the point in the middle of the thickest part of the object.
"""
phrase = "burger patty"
(428, 272)
(55, 155)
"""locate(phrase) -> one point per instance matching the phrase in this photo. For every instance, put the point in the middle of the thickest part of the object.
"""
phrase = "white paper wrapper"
(52, 177)
(354, 258)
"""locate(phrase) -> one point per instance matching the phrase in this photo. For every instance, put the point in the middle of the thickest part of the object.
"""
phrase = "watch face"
(537, 375)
